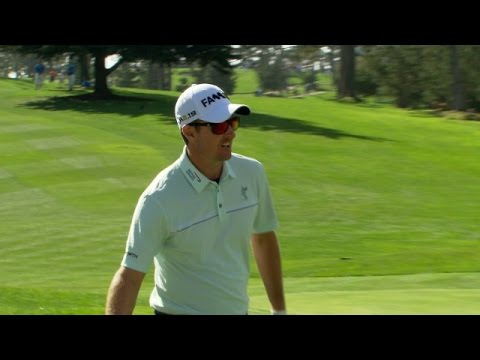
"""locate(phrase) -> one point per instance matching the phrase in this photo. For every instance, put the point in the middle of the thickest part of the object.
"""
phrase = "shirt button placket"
(220, 206)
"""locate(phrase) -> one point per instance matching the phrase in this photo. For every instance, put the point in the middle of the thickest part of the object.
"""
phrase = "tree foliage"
(211, 74)
(166, 54)
(408, 72)
(446, 76)
(271, 70)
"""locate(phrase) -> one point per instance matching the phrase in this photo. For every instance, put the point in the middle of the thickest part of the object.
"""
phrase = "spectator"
(53, 74)
(86, 84)
(39, 73)
(71, 75)
(61, 75)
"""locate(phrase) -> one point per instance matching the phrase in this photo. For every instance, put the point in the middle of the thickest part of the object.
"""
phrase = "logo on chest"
(244, 192)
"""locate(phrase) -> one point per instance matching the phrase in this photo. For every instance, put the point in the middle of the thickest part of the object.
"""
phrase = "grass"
(377, 205)
(365, 295)
(246, 80)
(377, 295)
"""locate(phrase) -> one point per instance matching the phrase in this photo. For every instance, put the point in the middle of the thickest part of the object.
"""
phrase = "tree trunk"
(458, 89)
(152, 76)
(101, 73)
(16, 67)
(401, 98)
(168, 77)
(84, 60)
(161, 77)
(333, 68)
(346, 86)
(165, 78)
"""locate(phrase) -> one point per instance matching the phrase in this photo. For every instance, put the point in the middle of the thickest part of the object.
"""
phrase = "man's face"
(210, 146)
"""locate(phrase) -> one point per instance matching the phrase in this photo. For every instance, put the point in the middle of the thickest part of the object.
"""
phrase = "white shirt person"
(198, 218)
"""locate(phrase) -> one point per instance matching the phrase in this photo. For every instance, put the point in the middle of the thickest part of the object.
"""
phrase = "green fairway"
(377, 206)
(366, 295)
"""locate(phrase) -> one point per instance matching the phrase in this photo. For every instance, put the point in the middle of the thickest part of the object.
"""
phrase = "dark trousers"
(159, 313)
(156, 312)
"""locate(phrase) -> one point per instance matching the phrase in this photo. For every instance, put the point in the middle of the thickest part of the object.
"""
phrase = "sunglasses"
(221, 128)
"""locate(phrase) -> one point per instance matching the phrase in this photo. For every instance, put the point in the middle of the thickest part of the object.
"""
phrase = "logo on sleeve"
(135, 256)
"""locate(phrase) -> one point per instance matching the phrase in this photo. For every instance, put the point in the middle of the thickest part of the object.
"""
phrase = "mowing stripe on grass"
(23, 128)
(53, 143)
(4, 174)
(37, 168)
(23, 198)
(83, 162)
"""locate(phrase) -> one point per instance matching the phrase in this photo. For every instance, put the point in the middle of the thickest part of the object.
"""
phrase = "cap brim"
(224, 113)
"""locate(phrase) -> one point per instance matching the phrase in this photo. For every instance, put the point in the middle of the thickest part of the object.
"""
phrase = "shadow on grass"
(361, 102)
(163, 106)
(272, 123)
(133, 106)
(376, 104)
(22, 85)
(427, 113)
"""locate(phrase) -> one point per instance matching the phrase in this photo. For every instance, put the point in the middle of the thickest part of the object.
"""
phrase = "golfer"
(197, 219)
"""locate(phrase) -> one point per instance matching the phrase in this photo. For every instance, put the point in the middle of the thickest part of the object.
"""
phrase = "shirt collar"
(195, 177)
(227, 170)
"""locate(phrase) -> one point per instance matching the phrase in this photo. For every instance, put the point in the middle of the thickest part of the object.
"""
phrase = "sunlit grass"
(363, 192)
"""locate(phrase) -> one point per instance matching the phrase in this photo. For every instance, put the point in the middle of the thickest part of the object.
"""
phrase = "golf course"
(378, 206)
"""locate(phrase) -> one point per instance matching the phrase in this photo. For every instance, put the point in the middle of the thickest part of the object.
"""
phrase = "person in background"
(86, 84)
(39, 69)
(61, 75)
(198, 218)
(71, 75)
(53, 74)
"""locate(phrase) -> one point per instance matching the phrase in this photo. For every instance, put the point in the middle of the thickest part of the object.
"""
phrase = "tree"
(153, 76)
(213, 75)
(346, 84)
(271, 69)
(365, 84)
(469, 56)
(129, 74)
(414, 75)
(333, 67)
(166, 54)
(84, 60)
(458, 89)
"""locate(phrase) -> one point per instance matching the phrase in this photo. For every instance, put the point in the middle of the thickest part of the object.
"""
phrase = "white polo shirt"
(198, 234)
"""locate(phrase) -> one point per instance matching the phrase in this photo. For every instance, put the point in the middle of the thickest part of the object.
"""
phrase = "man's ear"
(188, 131)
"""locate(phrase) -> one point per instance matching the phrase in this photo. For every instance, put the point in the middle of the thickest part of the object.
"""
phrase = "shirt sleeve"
(266, 219)
(146, 236)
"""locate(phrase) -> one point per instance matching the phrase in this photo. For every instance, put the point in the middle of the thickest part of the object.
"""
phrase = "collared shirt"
(198, 234)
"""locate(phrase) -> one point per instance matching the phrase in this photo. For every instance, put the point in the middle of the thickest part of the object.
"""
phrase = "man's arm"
(123, 292)
(267, 255)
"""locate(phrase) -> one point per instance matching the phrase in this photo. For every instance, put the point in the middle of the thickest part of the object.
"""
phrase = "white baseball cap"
(206, 102)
